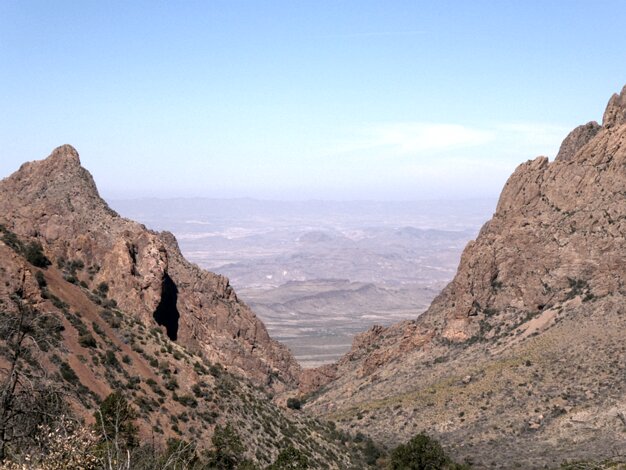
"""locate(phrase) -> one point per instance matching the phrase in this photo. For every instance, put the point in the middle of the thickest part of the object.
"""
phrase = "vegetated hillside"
(56, 203)
(93, 349)
(521, 360)
(92, 304)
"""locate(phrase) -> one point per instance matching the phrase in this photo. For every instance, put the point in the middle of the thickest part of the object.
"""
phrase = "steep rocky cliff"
(521, 357)
(55, 202)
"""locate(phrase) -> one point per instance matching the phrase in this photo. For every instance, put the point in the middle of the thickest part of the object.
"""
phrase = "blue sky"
(303, 99)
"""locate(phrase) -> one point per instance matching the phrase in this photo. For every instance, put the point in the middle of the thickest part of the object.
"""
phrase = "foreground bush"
(67, 445)
(422, 453)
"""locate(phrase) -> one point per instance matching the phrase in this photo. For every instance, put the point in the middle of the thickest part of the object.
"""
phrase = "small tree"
(290, 459)
(27, 398)
(33, 252)
(228, 452)
(117, 431)
(294, 403)
(420, 453)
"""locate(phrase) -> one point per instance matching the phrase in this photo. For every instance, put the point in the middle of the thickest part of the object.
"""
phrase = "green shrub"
(420, 453)
(87, 341)
(171, 384)
(290, 458)
(188, 401)
(75, 265)
(33, 252)
(41, 280)
(111, 360)
(68, 373)
(102, 289)
(294, 403)
(58, 303)
(216, 370)
(11, 239)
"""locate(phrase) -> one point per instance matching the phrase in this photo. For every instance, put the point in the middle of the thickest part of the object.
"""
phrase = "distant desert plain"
(318, 272)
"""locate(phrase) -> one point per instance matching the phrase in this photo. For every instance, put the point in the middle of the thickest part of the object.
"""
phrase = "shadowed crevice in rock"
(166, 313)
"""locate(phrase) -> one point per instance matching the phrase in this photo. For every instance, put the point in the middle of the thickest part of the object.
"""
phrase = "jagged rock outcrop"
(615, 112)
(537, 302)
(56, 202)
(576, 140)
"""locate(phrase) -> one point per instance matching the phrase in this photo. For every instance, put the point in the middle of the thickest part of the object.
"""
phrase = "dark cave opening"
(166, 313)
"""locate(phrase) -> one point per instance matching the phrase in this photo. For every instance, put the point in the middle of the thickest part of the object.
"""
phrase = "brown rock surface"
(56, 202)
(576, 139)
(534, 316)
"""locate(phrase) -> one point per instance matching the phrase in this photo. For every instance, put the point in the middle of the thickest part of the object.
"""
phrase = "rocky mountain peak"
(65, 153)
(55, 185)
(56, 201)
(615, 113)
(576, 140)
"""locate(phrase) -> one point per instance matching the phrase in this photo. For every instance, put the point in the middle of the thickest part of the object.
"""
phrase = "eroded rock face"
(518, 342)
(558, 227)
(56, 202)
(615, 113)
(576, 140)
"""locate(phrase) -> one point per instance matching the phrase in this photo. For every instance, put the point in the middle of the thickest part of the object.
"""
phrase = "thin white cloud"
(371, 34)
(517, 140)
(531, 138)
(415, 138)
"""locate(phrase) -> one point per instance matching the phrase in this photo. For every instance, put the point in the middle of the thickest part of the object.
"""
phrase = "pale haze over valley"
(317, 272)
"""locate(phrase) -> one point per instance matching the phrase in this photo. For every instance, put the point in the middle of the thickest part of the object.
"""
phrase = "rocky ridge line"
(56, 202)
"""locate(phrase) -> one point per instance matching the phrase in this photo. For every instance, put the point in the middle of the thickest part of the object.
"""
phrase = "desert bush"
(87, 341)
(102, 289)
(33, 252)
(421, 453)
(290, 459)
(68, 373)
(294, 403)
(62, 446)
(111, 360)
(41, 280)
(188, 401)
